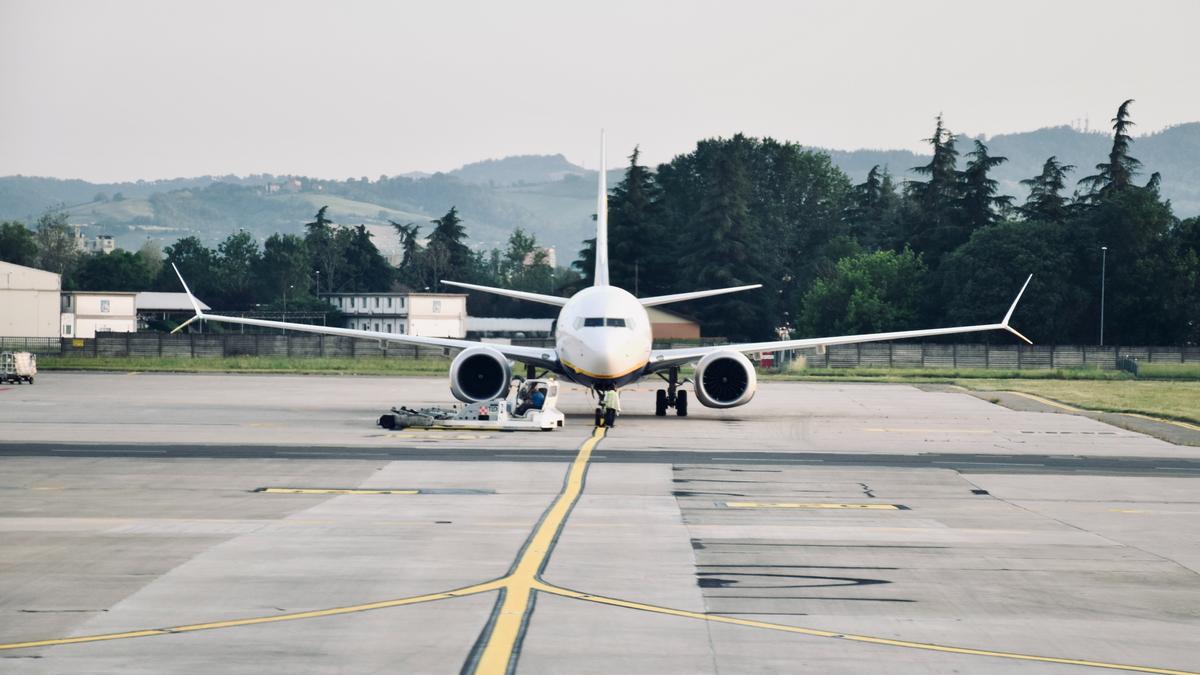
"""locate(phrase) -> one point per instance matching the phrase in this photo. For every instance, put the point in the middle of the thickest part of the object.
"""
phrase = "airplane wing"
(681, 297)
(661, 359)
(521, 295)
(542, 357)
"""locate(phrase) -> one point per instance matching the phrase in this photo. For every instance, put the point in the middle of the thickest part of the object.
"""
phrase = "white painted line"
(988, 463)
(762, 461)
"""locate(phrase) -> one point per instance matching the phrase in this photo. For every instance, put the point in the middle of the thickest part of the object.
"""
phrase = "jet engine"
(725, 380)
(480, 374)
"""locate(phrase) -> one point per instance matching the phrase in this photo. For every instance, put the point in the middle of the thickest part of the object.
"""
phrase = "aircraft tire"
(660, 403)
(681, 401)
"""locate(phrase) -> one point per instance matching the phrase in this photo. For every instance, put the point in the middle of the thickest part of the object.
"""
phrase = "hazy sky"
(126, 90)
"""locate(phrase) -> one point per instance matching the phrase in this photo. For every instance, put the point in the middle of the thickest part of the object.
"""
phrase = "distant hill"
(545, 194)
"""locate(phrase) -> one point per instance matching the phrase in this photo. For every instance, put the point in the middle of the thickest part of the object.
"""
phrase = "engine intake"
(480, 374)
(725, 379)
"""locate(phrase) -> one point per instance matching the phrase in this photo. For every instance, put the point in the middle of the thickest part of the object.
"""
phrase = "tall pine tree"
(1046, 201)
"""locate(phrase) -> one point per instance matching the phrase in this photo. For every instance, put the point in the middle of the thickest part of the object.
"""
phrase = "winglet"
(1013, 308)
(191, 298)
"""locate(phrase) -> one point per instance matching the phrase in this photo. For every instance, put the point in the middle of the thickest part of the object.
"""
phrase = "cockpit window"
(615, 322)
(593, 322)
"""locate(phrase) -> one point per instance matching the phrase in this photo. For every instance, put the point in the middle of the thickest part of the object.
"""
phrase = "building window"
(437, 306)
(401, 303)
(377, 301)
(389, 303)
(67, 329)
(376, 328)
(104, 306)
(351, 303)
(389, 326)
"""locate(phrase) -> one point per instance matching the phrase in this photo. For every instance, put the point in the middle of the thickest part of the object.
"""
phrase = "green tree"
(366, 269)
(17, 244)
(585, 262)
(119, 270)
(874, 211)
(56, 249)
(932, 218)
(723, 247)
(1117, 173)
(1046, 201)
(447, 255)
(978, 201)
(866, 293)
(197, 264)
(327, 249)
(979, 280)
(237, 263)
(409, 273)
(285, 267)
(634, 221)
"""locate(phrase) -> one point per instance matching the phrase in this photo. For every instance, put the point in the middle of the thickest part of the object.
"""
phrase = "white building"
(425, 314)
(101, 243)
(29, 301)
(84, 313)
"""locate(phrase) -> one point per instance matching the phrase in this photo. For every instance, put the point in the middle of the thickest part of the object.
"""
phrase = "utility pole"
(1103, 265)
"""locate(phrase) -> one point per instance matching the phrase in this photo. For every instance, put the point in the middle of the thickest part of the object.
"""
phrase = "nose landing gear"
(672, 396)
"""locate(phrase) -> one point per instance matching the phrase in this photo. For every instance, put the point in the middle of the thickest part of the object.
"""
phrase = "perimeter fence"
(866, 355)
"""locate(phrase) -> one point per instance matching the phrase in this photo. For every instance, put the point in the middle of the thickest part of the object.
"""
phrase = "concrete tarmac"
(825, 528)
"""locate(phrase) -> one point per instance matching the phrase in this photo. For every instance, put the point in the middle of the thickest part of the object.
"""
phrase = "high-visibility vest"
(612, 401)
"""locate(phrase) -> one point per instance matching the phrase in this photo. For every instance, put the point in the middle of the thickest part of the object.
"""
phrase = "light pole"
(1103, 265)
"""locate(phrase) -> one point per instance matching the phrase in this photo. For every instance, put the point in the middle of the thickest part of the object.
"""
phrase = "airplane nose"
(609, 352)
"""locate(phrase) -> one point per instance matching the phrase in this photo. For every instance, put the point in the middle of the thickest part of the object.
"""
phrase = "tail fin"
(601, 275)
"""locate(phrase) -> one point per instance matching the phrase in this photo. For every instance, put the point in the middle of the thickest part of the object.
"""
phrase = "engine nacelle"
(725, 380)
(480, 374)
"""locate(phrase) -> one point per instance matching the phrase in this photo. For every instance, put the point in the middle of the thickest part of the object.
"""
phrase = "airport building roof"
(151, 301)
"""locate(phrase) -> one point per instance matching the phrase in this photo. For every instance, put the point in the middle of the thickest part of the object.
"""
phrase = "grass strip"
(253, 364)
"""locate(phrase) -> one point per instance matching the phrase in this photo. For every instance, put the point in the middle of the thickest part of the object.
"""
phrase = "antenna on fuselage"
(601, 275)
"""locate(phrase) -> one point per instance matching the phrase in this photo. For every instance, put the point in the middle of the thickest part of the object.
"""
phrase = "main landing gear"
(672, 396)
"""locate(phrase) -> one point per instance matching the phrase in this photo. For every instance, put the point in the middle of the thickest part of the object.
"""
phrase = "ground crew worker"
(612, 407)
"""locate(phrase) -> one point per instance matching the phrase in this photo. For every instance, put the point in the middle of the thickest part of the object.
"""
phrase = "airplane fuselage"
(603, 337)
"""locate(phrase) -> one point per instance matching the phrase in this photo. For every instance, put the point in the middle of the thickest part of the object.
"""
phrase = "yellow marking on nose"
(334, 491)
(808, 505)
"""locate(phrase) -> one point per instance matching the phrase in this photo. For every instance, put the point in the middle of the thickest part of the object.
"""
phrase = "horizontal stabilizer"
(681, 297)
(520, 295)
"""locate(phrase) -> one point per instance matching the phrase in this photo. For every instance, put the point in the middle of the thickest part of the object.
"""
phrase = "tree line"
(836, 258)
(290, 271)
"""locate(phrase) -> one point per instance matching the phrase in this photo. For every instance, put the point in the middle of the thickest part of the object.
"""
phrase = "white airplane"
(603, 341)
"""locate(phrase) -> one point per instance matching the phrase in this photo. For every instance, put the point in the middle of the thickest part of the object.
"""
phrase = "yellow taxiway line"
(499, 648)
(233, 623)
(717, 618)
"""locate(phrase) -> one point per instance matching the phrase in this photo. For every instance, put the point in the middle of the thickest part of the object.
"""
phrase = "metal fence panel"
(1004, 357)
(939, 356)
(279, 345)
(875, 355)
(1067, 356)
(1166, 355)
(1037, 357)
(240, 345)
(111, 345)
(907, 355)
(1191, 354)
(208, 346)
(146, 345)
(176, 346)
(842, 356)
(1104, 358)
(1135, 353)
(971, 356)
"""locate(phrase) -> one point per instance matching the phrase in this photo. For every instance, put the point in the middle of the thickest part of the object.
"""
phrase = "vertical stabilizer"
(601, 276)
